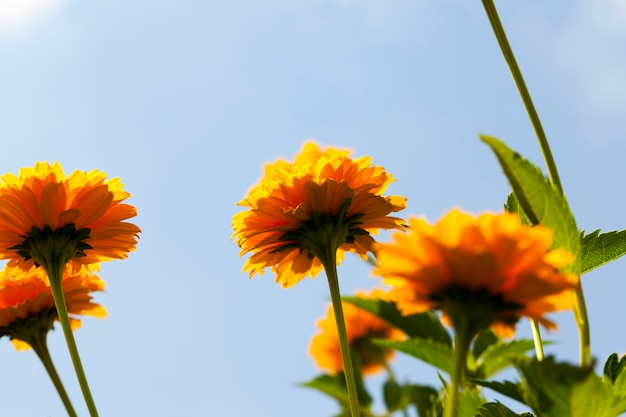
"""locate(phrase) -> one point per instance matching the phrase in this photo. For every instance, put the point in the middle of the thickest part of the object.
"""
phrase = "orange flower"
(361, 327)
(490, 268)
(26, 302)
(323, 201)
(82, 215)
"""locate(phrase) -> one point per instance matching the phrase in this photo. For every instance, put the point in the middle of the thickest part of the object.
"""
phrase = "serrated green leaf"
(547, 386)
(507, 388)
(498, 410)
(562, 390)
(423, 325)
(426, 400)
(541, 202)
(431, 352)
(593, 398)
(513, 206)
(501, 355)
(598, 249)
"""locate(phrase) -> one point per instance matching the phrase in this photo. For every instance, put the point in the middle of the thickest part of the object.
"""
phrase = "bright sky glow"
(19, 16)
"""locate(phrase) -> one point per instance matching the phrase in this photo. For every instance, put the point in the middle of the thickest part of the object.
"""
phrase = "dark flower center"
(48, 247)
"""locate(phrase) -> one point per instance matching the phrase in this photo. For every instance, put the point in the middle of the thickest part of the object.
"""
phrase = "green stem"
(580, 310)
(534, 326)
(329, 260)
(580, 313)
(461, 346)
(55, 275)
(40, 347)
(496, 25)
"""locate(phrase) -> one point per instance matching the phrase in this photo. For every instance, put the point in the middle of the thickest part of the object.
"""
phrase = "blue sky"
(186, 100)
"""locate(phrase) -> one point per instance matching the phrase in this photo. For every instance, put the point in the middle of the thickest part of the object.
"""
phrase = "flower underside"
(49, 246)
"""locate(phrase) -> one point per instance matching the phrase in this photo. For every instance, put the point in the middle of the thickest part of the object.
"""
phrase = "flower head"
(490, 269)
(323, 201)
(79, 217)
(27, 305)
(361, 326)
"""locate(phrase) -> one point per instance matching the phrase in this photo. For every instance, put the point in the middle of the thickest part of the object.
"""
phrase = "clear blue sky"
(186, 100)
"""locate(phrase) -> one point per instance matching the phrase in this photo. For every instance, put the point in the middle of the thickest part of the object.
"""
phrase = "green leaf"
(513, 206)
(431, 352)
(562, 390)
(484, 339)
(507, 388)
(615, 373)
(501, 355)
(469, 402)
(598, 249)
(335, 387)
(541, 202)
(498, 410)
(392, 394)
(423, 325)
(425, 399)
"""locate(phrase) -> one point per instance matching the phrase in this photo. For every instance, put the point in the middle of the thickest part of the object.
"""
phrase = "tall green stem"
(39, 345)
(580, 310)
(55, 275)
(329, 260)
(534, 326)
(463, 339)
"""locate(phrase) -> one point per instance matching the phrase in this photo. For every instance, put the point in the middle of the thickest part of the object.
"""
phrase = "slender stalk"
(496, 25)
(534, 326)
(580, 313)
(40, 347)
(580, 310)
(330, 266)
(55, 275)
(461, 346)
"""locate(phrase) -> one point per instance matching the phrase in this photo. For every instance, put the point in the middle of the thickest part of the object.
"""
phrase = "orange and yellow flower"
(42, 201)
(361, 327)
(489, 267)
(24, 296)
(324, 200)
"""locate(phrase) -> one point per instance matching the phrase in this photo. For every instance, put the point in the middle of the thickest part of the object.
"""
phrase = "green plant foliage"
(436, 354)
(498, 410)
(393, 395)
(423, 325)
(513, 206)
(508, 388)
(484, 339)
(426, 400)
(470, 402)
(561, 390)
(541, 202)
(502, 354)
(614, 366)
(598, 249)
(335, 386)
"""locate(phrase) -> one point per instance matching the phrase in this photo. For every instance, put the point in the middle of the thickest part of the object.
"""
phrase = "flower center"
(32, 328)
(324, 232)
(49, 247)
(474, 310)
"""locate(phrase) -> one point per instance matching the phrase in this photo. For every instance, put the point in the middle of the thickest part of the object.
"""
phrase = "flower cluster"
(54, 232)
(362, 327)
(298, 210)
